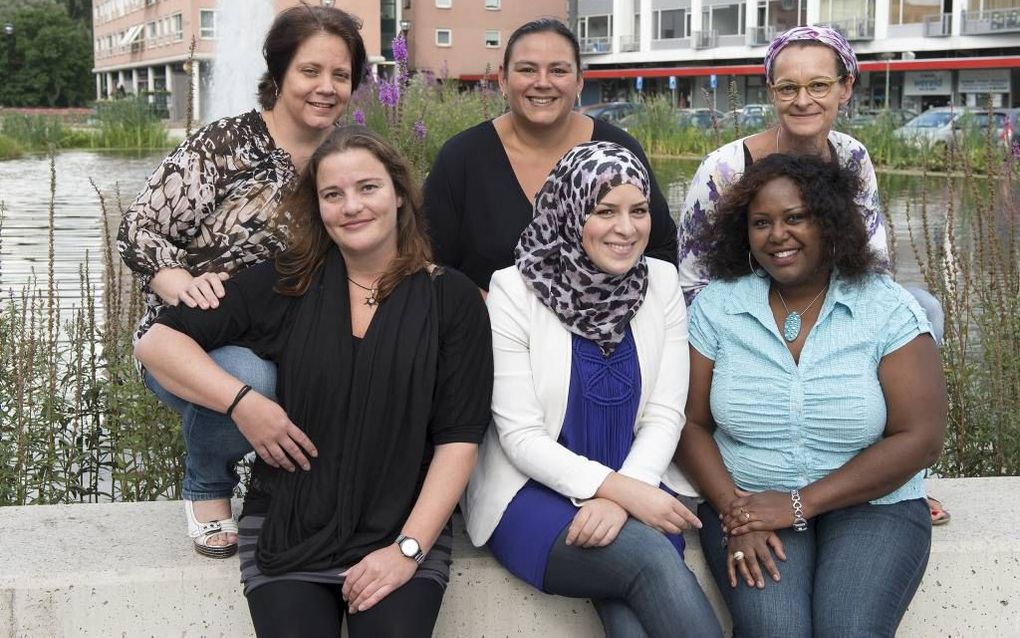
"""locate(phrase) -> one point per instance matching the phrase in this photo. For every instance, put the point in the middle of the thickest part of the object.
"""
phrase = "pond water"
(78, 219)
(24, 191)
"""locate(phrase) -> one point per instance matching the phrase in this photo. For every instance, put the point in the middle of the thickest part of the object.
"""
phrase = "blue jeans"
(638, 583)
(213, 442)
(852, 573)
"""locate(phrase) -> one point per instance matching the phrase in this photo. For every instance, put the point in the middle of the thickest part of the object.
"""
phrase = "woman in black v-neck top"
(475, 205)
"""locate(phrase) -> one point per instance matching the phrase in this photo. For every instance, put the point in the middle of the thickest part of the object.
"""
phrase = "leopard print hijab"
(590, 303)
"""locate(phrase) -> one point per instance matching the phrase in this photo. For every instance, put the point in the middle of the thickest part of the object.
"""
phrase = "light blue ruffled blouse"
(780, 425)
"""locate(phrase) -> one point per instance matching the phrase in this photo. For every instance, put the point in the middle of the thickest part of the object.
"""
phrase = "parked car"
(612, 111)
(891, 117)
(702, 118)
(749, 122)
(945, 126)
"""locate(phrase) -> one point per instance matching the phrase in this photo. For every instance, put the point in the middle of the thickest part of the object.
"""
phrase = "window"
(444, 4)
(670, 24)
(492, 39)
(151, 28)
(444, 37)
(723, 19)
(177, 26)
(492, 5)
(207, 24)
(911, 11)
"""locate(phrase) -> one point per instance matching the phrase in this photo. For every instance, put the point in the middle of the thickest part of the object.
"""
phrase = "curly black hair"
(829, 193)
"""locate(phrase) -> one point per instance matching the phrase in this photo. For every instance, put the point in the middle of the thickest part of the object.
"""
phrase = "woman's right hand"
(271, 433)
(176, 285)
(757, 548)
(649, 504)
(596, 524)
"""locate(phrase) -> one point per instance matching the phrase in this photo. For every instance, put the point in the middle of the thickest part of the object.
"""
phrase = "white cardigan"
(532, 357)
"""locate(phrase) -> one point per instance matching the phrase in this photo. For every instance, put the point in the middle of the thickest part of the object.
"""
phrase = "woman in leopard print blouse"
(210, 210)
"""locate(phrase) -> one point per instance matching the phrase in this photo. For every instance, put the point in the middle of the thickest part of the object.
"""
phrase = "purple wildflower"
(359, 117)
(400, 49)
(389, 93)
(419, 129)
(1016, 149)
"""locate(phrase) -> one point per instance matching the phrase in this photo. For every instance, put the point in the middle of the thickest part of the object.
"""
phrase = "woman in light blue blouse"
(816, 401)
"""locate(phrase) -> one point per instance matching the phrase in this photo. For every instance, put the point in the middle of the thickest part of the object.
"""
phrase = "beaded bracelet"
(799, 522)
(245, 389)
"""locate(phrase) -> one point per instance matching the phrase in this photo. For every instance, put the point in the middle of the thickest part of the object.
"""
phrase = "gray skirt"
(435, 567)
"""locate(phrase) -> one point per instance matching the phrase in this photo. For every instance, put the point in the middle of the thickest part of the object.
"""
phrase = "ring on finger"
(738, 555)
(746, 517)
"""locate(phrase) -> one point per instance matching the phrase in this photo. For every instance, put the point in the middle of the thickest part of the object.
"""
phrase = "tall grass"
(970, 260)
(128, 123)
(76, 423)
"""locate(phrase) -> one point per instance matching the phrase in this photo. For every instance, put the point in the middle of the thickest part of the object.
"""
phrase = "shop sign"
(927, 83)
(984, 81)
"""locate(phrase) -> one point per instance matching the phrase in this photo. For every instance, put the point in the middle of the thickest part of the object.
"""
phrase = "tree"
(48, 61)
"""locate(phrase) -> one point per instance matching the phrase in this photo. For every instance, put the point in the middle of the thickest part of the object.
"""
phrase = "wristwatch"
(411, 548)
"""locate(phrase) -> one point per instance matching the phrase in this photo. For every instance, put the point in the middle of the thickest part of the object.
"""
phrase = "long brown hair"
(309, 240)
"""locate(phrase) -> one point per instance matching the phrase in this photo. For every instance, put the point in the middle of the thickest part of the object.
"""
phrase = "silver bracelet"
(799, 522)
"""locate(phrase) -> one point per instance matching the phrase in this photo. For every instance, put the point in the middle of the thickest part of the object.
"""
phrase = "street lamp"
(887, 56)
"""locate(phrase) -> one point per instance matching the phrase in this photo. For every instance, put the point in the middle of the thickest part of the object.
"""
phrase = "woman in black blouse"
(385, 381)
(208, 211)
(480, 193)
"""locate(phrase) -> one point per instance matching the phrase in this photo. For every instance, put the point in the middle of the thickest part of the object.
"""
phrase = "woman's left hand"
(375, 576)
(758, 512)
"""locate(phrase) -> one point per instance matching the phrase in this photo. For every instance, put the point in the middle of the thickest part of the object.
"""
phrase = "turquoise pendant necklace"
(792, 323)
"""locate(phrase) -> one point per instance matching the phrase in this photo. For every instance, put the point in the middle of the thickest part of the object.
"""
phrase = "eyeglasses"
(815, 88)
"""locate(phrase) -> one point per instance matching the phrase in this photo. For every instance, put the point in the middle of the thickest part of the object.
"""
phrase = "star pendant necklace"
(792, 323)
(372, 299)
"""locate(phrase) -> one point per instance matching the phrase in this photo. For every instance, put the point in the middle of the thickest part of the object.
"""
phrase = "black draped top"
(477, 210)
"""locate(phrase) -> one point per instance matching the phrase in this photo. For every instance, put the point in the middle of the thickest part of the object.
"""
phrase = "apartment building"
(462, 39)
(914, 53)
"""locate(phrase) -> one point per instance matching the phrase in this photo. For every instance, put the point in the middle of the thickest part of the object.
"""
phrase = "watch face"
(409, 547)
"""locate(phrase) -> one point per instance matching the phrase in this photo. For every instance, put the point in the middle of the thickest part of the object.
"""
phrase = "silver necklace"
(372, 299)
(792, 323)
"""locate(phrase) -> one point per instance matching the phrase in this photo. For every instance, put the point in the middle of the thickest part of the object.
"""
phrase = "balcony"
(760, 36)
(596, 45)
(704, 39)
(938, 26)
(990, 21)
(855, 29)
(630, 43)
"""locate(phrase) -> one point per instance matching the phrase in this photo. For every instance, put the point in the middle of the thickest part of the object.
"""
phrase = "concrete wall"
(128, 569)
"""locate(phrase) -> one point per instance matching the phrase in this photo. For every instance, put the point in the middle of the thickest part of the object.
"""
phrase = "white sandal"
(202, 532)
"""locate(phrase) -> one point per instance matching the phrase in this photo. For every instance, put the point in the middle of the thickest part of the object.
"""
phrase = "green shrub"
(9, 148)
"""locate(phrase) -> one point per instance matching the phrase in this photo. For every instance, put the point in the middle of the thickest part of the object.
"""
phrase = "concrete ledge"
(127, 569)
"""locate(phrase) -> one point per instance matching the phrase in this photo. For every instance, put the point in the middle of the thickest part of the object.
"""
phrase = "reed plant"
(76, 422)
(969, 257)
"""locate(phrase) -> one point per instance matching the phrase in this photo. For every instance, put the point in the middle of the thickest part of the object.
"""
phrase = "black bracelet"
(237, 399)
